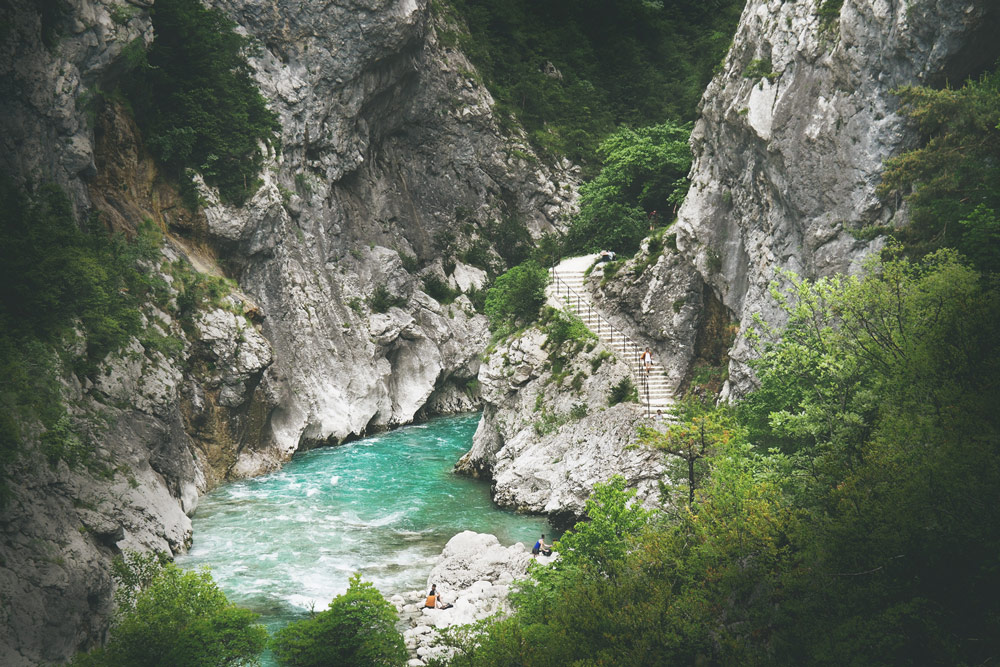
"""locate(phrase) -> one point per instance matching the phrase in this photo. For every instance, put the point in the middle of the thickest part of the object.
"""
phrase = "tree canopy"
(359, 629)
(952, 180)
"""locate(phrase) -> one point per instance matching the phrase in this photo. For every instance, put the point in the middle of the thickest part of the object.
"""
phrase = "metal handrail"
(642, 379)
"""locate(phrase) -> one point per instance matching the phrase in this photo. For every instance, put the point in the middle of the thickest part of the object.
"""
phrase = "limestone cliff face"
(390, 152)
(391, 165)
(795, 129)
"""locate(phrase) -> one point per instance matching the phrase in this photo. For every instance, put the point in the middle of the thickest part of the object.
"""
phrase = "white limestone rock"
(545, 443)
(473, 574)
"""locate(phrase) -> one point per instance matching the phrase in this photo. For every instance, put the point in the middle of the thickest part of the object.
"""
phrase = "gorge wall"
(793, 133)
(391, 165)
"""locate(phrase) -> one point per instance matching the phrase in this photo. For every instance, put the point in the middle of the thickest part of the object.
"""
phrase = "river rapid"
(383, 506)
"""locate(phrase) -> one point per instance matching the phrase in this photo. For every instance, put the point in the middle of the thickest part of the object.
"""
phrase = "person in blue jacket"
(541, 547)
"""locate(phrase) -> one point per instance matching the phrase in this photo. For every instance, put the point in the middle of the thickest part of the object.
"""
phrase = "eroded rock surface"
(794, 132)
(544, 440)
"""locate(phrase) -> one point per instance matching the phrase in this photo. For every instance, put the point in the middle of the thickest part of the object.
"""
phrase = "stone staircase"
(566, 291)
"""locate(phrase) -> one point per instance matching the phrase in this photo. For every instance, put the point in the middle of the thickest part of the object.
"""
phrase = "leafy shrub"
(196, 101)
(171, 617)
(596, 362)
(624, 391)
(510, 239)
(438, 289)
(410, 262)
(381, 300)
(642, 170)
(359, 629)
(516, 297)
(479, 254)
(759, 68)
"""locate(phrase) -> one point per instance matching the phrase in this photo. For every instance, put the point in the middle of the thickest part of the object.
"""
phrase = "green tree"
(571, 72)
(699, 430)
(168, 616)
(643, 170)
(516, 297)
(951, 180)
(897, 452)
(196, 101)
(359, 629)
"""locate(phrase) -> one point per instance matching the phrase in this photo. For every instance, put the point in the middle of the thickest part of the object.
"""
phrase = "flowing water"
(383, 506)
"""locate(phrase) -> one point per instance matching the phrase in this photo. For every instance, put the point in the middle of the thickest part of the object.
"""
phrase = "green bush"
(623, 392)
(438, 289)
(643, 170)
(516, 297)
(358, 629)
(171, 617)
(196, 101)
(381, 300)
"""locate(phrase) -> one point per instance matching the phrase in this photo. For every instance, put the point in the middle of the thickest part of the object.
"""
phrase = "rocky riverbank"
(474, 575)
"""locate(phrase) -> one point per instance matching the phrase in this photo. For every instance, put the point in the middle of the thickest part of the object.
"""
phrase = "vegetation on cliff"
(196, 102)
(573, 72)
(643, 179)
(68, 297)
(952, 181)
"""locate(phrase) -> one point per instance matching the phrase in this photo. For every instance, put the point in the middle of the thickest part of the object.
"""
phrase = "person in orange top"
(434, 600)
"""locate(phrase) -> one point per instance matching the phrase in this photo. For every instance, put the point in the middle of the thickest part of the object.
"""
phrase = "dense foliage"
(643, 179)
(196, 101)
(167, 616)
(848, 513)
(359, 629)
(952, 180)
(59, 285)
(516, 297)
(573, 72)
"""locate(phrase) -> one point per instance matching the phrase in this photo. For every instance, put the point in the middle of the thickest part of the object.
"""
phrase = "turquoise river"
(383, 506)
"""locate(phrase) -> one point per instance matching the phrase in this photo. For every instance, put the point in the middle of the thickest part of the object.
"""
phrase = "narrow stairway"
(566, 291)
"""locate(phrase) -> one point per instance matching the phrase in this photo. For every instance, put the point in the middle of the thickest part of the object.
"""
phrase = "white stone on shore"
(473, 574)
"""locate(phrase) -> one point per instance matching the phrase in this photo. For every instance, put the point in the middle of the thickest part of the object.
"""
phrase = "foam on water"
(383, 506)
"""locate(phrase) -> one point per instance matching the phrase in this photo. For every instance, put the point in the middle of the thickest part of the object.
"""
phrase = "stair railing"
(629, 348)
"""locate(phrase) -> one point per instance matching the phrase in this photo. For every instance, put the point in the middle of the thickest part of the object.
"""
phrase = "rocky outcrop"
(474, 575)
(390, 153)
(547, 434)
(657, 299)
(794, 131)
(159, 429)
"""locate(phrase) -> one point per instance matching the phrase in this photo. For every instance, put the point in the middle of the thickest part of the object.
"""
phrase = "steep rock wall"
(390, 151)
(795, 129)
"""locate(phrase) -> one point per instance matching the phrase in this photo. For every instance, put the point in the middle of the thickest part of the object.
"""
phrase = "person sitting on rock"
(541, 547)
(434, 600)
